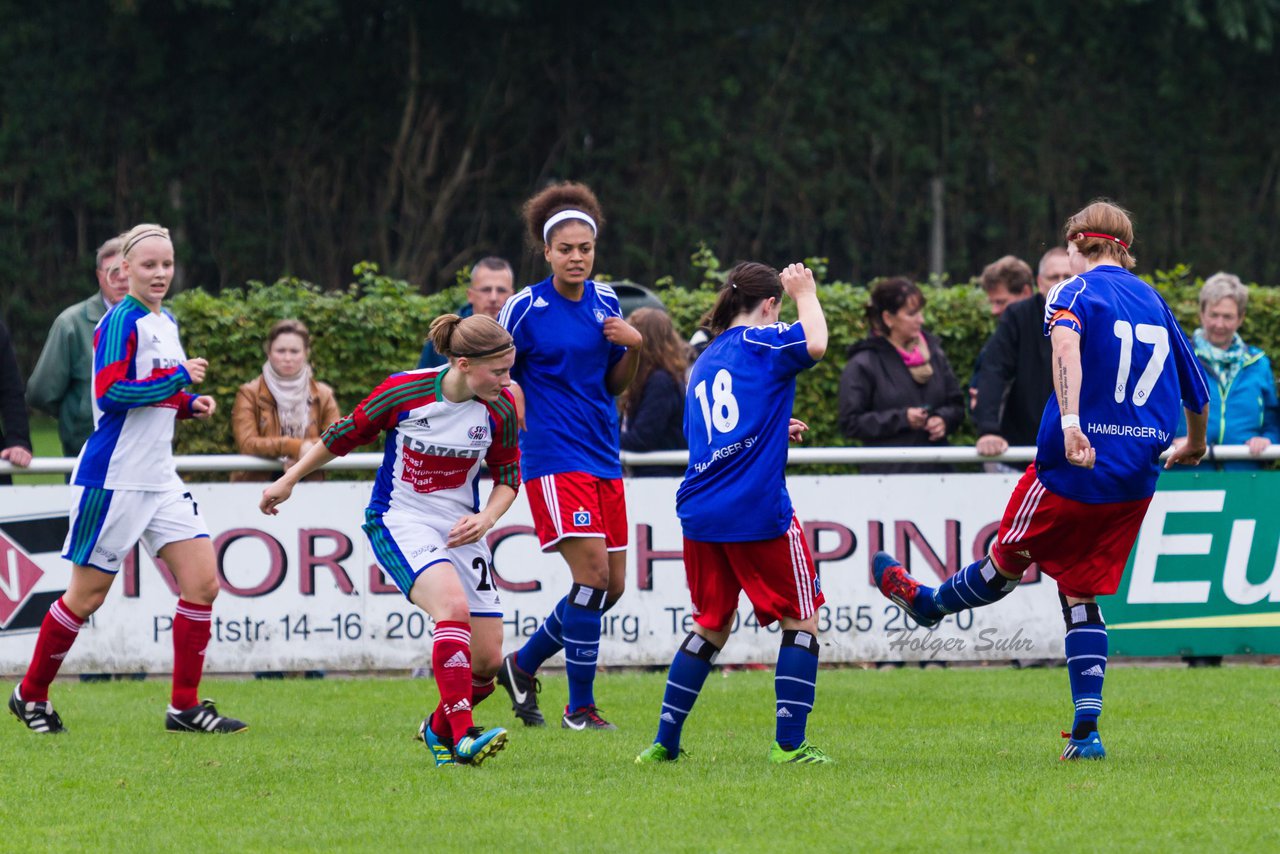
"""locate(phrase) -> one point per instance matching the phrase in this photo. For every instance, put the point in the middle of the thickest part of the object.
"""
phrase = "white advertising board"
(301, 590)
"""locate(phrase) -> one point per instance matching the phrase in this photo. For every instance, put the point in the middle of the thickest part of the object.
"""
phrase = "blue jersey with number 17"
(1137, 373)
(736, 415)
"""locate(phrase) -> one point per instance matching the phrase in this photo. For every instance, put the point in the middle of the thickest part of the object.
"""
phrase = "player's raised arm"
(1067, 375)
(798, 282)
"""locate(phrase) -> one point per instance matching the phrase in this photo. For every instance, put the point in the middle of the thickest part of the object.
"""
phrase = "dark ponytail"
(748, 284)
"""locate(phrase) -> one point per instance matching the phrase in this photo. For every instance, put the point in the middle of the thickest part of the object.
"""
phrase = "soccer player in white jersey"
(424, 520)
(740, 531)
(575, 353)
(1122, 370)
(125, 490)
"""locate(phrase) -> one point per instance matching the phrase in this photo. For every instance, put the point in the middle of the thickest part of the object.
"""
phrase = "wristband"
(1070, 421)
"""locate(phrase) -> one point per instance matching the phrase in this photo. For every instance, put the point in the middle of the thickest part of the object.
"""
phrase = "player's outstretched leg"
(192, 626)
(581, 636)
(796, 683)
(688, 673)
(516, 673)
(978, 584)
(1086, 645)
(30, 700)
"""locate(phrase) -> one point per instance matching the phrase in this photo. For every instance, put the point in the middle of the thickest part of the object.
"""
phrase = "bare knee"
(201, 591)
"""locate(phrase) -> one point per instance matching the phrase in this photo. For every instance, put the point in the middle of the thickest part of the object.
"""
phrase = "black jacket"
(13, 403)
(658, 424)
(876, 389)
(1015, 376)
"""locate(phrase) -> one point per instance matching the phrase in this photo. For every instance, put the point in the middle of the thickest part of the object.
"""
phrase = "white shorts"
(106, 524)
(406, 545)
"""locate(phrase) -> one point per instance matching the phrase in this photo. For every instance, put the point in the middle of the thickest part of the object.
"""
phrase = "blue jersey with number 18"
(736, 414)
(1137, 373)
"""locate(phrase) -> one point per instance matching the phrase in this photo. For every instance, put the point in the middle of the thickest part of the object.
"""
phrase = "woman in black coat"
(653, 405)
(897, 388)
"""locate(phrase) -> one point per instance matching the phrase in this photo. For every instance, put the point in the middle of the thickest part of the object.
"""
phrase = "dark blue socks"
(580, 634)
(796, 685)
(688, 672)
(543, 643)
(1086, 663)
(976, 585)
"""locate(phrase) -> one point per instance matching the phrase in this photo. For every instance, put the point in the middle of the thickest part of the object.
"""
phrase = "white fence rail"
(797, 456)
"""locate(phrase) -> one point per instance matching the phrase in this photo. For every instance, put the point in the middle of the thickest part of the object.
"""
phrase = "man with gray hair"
(1013, 377)
(62, 383)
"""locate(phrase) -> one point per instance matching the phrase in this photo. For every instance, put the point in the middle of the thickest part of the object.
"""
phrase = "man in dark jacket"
(15, 440)
(1014, 380)
(62, 383)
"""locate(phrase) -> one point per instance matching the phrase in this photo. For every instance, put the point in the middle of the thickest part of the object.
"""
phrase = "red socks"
(57, 634)
(192, 625)
(451, 662)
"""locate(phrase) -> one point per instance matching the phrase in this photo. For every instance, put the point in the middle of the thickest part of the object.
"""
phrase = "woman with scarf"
(281, 414)
(1242, 389)
(898, 388)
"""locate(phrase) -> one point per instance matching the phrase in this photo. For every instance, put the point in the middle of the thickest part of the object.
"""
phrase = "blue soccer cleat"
(478, 745)
(1089, 747)
(440, 752)
(896, 583)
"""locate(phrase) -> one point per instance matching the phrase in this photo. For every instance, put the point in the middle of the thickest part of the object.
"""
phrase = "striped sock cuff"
(192, 611)
(63, 615)
(449, 630)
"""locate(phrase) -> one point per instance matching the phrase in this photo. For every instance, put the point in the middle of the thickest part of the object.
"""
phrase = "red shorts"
(778, 576)
(1084, 547)
(576, 504)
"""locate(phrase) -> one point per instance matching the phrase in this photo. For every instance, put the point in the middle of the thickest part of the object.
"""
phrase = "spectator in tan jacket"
(282, 413)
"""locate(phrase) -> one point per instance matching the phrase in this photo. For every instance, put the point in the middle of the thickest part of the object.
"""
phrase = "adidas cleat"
(442, 753)
(523, 690)
(805, 754)
(896, 583)
(587, 717)
(479, 744)
(38, 716)
(201, 718)
(1089, 747)
(656, 753)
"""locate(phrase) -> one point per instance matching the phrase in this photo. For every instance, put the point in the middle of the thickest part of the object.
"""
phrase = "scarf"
(917, 361)
(293, 399)
(1225, 362)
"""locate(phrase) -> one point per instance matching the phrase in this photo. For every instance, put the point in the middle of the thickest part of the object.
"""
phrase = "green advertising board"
(1204, 576)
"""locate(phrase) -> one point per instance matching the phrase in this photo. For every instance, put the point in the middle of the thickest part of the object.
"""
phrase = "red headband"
(1080, 234)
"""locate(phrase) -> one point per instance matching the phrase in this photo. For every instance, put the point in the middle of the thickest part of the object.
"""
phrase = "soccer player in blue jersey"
(1122, 370)
(126, 489)
(574, 354)
(740, 532)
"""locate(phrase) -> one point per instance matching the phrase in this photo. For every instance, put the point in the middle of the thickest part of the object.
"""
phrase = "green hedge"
(377, 326)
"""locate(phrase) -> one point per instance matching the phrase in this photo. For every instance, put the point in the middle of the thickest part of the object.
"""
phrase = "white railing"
(796, 456)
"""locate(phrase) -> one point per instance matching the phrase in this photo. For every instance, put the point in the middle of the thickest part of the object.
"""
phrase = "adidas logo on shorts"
(458, 659)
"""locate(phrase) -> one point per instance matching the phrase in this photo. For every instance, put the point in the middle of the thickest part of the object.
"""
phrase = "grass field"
(962, 759)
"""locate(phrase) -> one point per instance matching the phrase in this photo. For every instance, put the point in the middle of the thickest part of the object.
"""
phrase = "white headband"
(556, 219)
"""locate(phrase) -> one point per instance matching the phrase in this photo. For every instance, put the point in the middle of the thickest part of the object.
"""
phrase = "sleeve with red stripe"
(375, 413)
(503, 456)
(115, 344)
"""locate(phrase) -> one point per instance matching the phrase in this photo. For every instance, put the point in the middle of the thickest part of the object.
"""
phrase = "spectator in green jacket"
(62, 383)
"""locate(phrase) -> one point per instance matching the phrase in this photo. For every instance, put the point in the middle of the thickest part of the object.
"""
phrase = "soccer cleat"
(805, 754)
(440, 752)
(1089, 747)
(523, 689)
(656, 752)
(201, 718)
(895, 582)
(587, 717)
(479, 744)
(39, 717)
